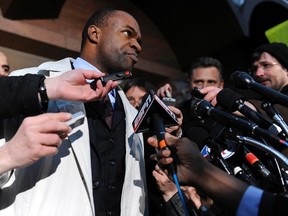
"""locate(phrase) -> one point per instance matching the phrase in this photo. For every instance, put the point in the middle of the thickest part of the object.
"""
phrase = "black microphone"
(202, 107)
(240, 174)
(195, 92)
(242, 80)
(154, 115)
(259, 166)
(114, 77)
(233, 101)
(249, 173)
(215, 153)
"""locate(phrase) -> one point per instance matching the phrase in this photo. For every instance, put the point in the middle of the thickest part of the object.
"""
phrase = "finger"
(170, 139)
(154, 157)
(51, 127)
(90, 74)
(152, 141)
(51, 139)
(61, 116)
(164, 161)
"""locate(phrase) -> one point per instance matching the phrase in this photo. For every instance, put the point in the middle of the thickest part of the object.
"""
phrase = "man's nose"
(258, 72)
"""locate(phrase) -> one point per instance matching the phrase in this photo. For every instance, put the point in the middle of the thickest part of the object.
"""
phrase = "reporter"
(169, 191)
(37, 137)
(235, 196)
(20, 94)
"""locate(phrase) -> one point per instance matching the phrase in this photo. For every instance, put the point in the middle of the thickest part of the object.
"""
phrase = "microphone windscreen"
(227, 99)
(241, 79)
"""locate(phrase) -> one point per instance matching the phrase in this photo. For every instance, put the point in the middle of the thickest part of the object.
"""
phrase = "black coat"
(19, 95)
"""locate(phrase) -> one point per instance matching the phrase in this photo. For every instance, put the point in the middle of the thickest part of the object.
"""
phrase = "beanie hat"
(277, 50)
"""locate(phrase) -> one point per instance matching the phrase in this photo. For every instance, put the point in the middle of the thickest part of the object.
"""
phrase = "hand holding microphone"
(154, 115)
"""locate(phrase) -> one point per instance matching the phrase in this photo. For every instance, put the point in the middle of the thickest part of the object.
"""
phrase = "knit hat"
(277, 50)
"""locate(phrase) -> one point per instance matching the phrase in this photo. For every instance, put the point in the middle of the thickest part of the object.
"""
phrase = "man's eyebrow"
(264, 62)
(5, 66)
(134, 32)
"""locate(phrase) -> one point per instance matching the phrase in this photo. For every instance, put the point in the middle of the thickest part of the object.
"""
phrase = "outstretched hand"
(73, 85)
(37, 137)
(186, 155)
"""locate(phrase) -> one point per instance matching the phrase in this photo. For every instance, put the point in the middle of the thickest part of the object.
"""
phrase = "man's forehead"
(123, 17)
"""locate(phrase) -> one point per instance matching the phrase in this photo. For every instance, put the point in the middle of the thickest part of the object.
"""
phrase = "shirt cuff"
(250, 202)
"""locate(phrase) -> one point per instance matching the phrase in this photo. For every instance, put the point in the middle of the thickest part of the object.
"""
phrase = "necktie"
(108, 111)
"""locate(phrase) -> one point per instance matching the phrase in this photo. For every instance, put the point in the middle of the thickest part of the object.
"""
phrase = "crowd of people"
(103, 167)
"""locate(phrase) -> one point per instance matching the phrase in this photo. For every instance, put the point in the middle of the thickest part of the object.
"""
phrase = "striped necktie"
(108, 111)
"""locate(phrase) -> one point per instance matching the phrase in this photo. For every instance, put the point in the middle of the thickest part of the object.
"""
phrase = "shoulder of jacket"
(48, 69)
(61, 65)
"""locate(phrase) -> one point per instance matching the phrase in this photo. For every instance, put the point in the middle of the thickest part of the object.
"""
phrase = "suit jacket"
(62, 184)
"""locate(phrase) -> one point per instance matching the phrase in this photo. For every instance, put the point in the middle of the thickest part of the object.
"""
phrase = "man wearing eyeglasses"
(269, 66)
(4, 66)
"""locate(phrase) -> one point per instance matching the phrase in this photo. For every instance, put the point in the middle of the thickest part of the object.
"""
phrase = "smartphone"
(169, 101)
(76, 120)
(113, 77)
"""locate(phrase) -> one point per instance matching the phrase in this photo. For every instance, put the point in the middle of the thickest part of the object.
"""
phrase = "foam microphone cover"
(227, 99)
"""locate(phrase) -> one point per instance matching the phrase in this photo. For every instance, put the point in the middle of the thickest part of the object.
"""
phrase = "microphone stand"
(269, 150)
(275, 115)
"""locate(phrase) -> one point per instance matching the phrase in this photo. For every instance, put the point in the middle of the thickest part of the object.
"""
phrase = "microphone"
(203, 107)
(249, 173)
(114, 77)
(216, 154)
(196, 93)
(242, 80)
(240, 174)
(233, 101)
(259, 166)
(153, 107)
(154, 115)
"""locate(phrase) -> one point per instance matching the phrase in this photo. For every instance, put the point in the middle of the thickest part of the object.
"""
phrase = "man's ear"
(93, 34)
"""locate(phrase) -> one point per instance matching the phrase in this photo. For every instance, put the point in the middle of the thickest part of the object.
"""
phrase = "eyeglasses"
(5, 68)
(263, 65)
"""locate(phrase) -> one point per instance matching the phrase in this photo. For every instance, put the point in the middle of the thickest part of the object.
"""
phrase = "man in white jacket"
(98, 170)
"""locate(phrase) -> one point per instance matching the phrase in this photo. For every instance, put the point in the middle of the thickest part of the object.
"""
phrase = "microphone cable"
(265, 148)
(160, 132)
